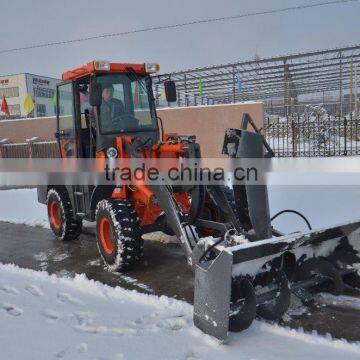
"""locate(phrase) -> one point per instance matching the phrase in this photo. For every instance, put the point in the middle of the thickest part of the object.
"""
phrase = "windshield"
(127, 104)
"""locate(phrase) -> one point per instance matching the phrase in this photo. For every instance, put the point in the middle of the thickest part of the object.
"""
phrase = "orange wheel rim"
(105, 236)
(55, 214)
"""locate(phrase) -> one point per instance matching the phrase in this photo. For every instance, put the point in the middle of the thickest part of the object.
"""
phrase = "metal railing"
(313, 136)
(292, 136)
(29, 149)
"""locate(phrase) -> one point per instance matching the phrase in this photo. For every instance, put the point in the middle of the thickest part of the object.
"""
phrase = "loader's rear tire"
(118, 234)
(61, 216)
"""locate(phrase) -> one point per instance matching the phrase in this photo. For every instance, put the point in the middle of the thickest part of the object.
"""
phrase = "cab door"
(68, 135)
(66, 128)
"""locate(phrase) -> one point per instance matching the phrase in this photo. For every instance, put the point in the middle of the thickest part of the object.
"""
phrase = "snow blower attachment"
(234, 283)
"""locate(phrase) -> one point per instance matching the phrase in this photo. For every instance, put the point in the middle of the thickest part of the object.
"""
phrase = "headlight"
(111, 153)
(101, 65)
(152, 67)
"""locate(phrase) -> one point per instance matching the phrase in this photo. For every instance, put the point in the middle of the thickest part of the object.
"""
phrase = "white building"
(17, 87)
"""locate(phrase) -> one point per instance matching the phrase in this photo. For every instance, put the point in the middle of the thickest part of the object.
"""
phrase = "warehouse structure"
(286, 84)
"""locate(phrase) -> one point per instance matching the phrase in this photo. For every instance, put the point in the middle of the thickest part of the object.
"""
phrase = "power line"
(188, 23)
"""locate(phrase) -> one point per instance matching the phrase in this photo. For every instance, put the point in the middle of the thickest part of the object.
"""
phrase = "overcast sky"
(25, 22)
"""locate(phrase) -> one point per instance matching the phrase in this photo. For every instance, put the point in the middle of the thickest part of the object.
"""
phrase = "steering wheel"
(126, 119)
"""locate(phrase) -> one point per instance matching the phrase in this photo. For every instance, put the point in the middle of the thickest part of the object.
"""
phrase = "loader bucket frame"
(213, 278)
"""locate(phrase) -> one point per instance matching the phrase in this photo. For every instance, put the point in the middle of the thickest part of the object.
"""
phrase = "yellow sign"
(29, 104)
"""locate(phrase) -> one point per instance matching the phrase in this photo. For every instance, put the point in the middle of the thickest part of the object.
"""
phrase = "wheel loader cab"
(101, 101)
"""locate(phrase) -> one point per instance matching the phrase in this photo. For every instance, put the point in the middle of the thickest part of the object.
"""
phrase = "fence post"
(2, 149)
(157, 95)
(293, 137)
(186, 92)
(30, 143)
(345, 136)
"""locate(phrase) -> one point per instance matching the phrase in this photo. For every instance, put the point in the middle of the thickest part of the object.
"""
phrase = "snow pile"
(322, 205)
(345, 302)
(161, 237)
(21, 206)
(77, 318)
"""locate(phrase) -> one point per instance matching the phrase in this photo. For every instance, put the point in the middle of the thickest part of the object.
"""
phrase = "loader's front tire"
(61, 217)
(118, 234)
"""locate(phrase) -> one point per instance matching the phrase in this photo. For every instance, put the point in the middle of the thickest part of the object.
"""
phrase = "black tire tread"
(72, 227)
(128, 232)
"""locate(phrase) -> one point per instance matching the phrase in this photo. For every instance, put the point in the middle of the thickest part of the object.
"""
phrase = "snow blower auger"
(237, 280)
(107, 111)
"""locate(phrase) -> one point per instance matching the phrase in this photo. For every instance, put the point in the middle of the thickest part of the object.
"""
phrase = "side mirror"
(95, 94)
(170, 91)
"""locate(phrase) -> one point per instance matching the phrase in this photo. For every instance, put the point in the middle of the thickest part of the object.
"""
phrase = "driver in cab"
(111, 109)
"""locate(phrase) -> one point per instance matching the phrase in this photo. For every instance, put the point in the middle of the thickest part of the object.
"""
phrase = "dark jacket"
(110, 112)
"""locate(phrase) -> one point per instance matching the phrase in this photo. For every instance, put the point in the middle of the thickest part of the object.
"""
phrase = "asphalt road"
(163, 272)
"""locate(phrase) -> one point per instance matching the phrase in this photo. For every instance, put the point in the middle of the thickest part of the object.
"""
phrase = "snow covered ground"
(322, 205)
(46, 317)
(21, 206)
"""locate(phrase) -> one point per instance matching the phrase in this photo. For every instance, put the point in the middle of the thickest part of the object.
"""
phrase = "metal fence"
(293, 136)
(313, 136)
(30, 149)
(45, 149)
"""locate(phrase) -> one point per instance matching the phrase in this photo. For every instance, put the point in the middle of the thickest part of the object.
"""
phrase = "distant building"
(17, 87)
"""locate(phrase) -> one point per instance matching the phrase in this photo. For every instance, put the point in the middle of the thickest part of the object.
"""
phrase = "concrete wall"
(20, 130)
(208, 123)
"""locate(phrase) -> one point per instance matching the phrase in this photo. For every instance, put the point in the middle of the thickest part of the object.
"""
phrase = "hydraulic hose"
(293, 212)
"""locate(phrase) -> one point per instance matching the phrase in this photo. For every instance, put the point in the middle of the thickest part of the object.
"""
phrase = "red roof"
(89, 69)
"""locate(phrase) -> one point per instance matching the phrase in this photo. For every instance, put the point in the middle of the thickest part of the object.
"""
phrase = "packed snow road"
(163, 271)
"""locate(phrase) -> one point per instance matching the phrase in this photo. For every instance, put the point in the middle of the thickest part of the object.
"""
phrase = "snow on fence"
(313, 135)
(310, 134)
